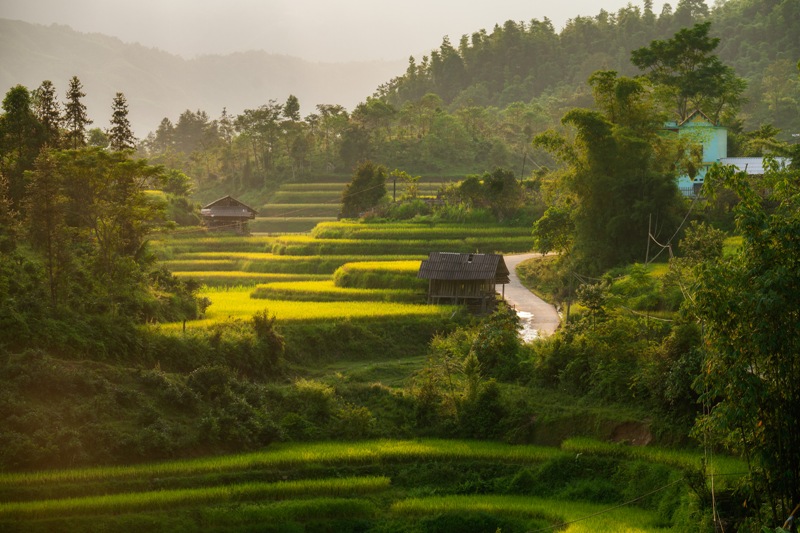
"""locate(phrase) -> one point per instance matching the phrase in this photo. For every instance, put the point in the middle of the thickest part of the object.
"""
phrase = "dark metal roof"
(455, 266)
(227, 206)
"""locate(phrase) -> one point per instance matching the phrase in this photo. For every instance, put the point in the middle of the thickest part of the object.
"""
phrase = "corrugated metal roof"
(456, 266)
(752, 165)
(227, 206)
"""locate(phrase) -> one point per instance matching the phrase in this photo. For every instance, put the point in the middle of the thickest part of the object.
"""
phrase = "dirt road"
(538, 317)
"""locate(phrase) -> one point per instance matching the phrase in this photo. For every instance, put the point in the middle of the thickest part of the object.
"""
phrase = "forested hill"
(157, 84)
(521, 61)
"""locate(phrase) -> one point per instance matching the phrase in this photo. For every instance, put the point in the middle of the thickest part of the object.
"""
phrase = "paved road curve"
(538, 317)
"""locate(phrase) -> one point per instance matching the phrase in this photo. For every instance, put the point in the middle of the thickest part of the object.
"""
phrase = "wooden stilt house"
(469, 279)
(228, 213)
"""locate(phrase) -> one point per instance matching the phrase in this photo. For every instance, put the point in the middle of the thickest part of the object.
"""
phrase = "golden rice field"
(267, 256)
(237, 277)
(236, 303)
(400, 267)
(412, 231)
(321, 291)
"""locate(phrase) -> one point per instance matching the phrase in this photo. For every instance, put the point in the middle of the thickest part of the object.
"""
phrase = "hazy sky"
(319, 30)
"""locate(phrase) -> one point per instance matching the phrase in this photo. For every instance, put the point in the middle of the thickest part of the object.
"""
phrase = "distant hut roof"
(456, 266)
(228, 207)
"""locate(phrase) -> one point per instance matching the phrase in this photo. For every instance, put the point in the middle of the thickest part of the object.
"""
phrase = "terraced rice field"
(334, 483)
(341, 270)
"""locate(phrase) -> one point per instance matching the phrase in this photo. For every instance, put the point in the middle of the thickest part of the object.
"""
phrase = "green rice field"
(335, 482)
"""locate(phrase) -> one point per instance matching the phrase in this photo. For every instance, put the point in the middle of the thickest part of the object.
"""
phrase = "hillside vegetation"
(160, 375)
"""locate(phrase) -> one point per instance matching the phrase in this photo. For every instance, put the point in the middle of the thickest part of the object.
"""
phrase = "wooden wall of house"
(460, 288)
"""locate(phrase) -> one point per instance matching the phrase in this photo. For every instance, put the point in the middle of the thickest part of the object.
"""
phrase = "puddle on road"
(526, 330)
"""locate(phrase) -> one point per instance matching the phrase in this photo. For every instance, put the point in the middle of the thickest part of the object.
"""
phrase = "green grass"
(277, 225)
(731, 245)
(165, 499)
(580, 517)
(291, 510)
(289, 455)
(300, 210)
(336, 186)
(308, 196)
(723, 466)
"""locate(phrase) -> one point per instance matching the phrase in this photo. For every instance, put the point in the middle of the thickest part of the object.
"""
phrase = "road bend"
(538, 318)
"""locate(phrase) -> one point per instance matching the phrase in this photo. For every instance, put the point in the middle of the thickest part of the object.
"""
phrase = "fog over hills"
(158, 84)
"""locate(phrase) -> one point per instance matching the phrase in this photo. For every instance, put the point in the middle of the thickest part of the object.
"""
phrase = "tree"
(291, 109)
(748, 305)
(164, 137)
(691, 76)
(75, 118)
(620, 174)
(120, 135)
(554, 231)
(366, 189)
(503, 193)
(47, 231)
(48, 113)
(107, 206)
(20, 141)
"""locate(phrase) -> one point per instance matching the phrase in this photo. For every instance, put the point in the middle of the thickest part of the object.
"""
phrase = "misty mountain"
(158, 84)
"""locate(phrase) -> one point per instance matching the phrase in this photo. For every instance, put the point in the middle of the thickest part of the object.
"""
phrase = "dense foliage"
(708, 340)
(75, 227)
(469, 108)
(748, 306)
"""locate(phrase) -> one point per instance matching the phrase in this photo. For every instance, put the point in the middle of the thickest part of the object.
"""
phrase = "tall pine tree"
(120, 135)
(75, 118)
(48, 112)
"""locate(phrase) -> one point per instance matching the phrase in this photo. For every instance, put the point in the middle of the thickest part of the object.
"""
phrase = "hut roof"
(227, 206)
(455, 266)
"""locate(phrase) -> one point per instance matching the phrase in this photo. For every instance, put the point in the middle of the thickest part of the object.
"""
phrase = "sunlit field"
(577, 517)
(232, 278)
(162, 499)
(236, 303)
(399, 267)
(222, 491)
(401, 244)
(323, 291)
(411, 231)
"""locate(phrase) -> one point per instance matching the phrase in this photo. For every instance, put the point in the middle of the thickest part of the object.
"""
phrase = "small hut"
(228, 213)
(470, 279)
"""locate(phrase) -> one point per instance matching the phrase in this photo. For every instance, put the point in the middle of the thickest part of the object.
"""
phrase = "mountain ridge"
(160, 84)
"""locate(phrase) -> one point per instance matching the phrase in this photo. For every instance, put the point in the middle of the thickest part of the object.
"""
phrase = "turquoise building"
(701, 132)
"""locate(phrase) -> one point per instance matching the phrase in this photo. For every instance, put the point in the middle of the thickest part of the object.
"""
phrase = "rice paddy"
(315, 276)
(237, 303)
(166, 499)
(216, 490)
(323, 291)
(723, 466)
(575, 517)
